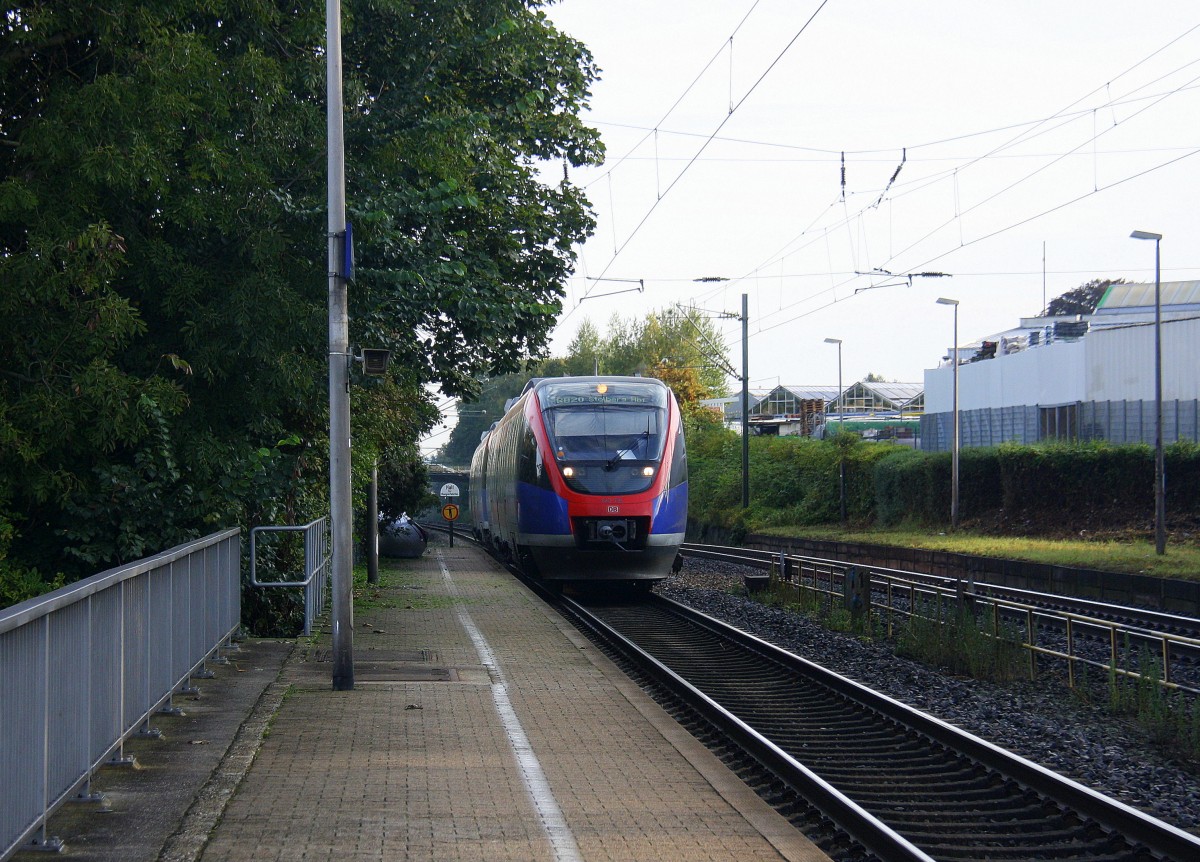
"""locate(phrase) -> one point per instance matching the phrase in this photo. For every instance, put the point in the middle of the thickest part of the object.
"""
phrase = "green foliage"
(793, 480)
(1072, 486)
(957, 641)
(1082, 299)
(1171, 716)
(665, 344)
(678, 337)
(477, 415)
(902, 487)
(163, 330)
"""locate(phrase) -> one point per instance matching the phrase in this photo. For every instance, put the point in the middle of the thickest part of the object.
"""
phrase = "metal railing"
(317, 563)
(84, 667)
(826, 579)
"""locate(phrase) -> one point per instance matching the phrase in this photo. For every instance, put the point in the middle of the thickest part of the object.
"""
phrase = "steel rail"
(1147, 618)
(1063, 613)
(1135, 825)
(860, 824)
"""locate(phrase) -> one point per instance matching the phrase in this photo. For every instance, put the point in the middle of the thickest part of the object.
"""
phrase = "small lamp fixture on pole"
(1160, 491)
(954, 435)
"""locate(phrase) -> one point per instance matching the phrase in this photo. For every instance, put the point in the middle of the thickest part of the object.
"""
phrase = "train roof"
(536, 382)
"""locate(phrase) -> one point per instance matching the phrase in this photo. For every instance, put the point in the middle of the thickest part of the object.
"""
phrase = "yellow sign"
(450, 512)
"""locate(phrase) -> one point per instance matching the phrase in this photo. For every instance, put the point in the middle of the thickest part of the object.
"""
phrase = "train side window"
(679, 472)
(530, 467)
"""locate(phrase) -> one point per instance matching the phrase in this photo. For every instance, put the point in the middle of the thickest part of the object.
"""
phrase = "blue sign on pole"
(348, 254)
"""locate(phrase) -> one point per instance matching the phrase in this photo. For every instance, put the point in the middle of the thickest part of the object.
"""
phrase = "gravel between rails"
(1040, 720)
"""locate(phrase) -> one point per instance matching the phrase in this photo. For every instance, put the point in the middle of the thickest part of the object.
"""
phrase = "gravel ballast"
(1039, 720)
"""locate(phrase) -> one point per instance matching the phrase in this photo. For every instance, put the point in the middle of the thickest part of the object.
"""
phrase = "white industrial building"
(1088, 378)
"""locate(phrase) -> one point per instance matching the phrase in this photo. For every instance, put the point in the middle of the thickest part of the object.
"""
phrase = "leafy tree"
(162, 249)
(585, 350)
(1082, 299)
(453, 106)
(678, 336)
(475, 416)
(689, 391)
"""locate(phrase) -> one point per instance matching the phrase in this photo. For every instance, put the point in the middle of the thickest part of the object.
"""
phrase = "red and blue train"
(584, 479)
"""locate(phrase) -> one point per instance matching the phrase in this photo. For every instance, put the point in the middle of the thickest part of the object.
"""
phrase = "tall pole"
(841, 420)
(745, 402)
(957, 441)
(339, 372)
(1160, 491)
(954, 442)
(841, 428)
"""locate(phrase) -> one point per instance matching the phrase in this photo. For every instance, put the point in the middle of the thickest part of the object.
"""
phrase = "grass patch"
(288, 693)
(1180, 561)
(399, 588)
(962, 646)
(1172, 717)
(815, 605)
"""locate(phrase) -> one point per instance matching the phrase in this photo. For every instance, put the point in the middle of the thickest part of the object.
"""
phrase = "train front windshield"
(607, 438)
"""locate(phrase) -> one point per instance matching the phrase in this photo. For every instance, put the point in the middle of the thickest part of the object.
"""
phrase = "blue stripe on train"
(542, 511)
(545, 512)
(670, 511)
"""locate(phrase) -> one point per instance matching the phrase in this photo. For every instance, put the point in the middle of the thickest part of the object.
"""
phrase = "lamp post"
(340, 515)
(1160, 493)
(745, 402)
(954, 436)
(841, 416)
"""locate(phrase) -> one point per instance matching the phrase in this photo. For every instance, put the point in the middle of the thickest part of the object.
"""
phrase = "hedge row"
(795, 480)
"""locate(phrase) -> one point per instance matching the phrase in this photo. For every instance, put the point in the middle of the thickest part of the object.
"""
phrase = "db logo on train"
(450, 512)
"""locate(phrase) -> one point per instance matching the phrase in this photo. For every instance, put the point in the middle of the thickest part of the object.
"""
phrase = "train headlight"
(647, 471)
(568, 471)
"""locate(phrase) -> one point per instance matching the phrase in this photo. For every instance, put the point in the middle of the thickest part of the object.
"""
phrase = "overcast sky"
(1014, 125)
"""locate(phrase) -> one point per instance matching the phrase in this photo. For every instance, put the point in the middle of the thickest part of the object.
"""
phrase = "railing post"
(1029, 633)
(1070, 656)
(1112, 641)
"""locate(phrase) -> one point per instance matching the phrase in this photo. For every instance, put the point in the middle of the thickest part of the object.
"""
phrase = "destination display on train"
(571, 399)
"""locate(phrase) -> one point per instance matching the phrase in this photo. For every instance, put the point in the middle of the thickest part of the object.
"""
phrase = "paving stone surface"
(481, 727)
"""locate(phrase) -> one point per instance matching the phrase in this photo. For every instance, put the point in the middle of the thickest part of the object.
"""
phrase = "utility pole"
(955, 440)
(841, 419)
(725, 366)
(745, 403)
(339, 362)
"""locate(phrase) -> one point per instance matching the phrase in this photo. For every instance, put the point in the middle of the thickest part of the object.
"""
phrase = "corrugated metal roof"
(1128, 297)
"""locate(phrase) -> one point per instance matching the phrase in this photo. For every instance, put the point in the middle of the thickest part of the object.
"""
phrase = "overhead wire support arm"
(906, 278)
(640, 282)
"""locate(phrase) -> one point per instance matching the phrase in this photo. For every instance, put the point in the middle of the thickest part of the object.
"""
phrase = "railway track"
(901, 784)
(1143, 618)
(1082, 632)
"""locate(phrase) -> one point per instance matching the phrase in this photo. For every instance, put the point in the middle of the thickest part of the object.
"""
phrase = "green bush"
(794, 481)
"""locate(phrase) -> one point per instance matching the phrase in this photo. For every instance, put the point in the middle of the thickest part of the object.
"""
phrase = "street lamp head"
(833, 341)
(1145, 234)
(944, 301)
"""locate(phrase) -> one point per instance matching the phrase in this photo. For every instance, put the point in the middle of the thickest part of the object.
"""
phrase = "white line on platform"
(555, 825)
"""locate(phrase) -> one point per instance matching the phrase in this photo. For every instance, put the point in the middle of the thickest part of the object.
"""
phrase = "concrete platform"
(481, 727)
